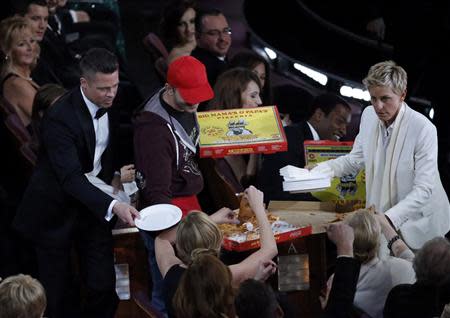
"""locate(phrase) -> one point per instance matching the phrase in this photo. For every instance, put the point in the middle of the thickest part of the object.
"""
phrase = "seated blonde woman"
(21, 51)
(378, 276)
(198, 230)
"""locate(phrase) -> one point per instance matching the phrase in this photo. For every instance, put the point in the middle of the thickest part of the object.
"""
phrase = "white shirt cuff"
(395, 219)
(109, 215)
(73, 14)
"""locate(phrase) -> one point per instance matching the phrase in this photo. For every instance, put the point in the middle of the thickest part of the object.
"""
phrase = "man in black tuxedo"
(328, 118)
(61, 209)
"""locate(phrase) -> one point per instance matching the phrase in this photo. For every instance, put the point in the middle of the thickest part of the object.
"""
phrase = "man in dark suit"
(56, 64)
(61, 209)
(428, 296)
(213, 42)
(328, 118)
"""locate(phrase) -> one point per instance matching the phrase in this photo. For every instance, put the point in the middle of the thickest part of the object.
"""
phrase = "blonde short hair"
(22, 296)
(195, 231)
(388, 74)
(367, 234)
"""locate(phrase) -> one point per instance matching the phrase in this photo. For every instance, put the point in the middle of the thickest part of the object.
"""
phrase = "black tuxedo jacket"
(59, 194)
(416, 300)
(56, 60)
(342, 294)
(269, 179)
(214, 66)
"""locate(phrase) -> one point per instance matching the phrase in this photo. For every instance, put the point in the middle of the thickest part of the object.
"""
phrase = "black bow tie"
(100, 112)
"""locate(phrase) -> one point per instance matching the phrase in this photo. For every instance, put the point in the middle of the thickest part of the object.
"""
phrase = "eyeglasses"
(217, 33)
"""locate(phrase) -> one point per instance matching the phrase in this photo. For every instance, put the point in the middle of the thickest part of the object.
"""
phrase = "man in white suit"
(397, 147)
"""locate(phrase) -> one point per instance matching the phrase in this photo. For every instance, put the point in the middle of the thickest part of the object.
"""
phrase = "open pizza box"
(296, 219)
(247, 241)
(301, 213)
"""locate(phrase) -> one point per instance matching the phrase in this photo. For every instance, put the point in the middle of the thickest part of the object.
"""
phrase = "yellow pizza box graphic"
(348, 192)
(241, 131)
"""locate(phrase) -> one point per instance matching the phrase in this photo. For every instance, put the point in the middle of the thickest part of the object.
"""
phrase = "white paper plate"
(158, 217)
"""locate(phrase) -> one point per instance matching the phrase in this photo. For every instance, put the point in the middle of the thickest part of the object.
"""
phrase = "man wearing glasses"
(213, 42)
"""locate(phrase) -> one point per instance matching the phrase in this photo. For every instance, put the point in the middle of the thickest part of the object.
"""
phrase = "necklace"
(18, 74)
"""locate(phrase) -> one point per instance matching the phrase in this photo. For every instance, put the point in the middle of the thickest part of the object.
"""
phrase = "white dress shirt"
(101, 129)
(314, 132)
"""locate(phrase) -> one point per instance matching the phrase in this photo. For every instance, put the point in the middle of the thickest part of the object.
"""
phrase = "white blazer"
(417, 203)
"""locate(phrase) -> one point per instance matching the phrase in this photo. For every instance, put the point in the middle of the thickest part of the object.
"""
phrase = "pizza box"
(349, 191)
(303, 213)
(241, 131)
(282, 231)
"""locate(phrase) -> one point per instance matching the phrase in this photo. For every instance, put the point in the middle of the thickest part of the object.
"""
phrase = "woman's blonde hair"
(367, 234)
(10, 29)
(389, 74)
(22, 296)
(205, 289)
(196, 231)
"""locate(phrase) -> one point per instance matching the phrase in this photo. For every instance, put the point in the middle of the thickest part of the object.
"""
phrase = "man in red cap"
(165, 139)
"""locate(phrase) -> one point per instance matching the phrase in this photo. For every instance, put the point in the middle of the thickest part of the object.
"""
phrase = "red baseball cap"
(188, 76)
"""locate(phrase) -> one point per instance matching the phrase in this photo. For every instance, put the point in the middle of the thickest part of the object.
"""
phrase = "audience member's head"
(236, 88)
(22, 296)
(187, 84)
(329, 115)
(52, 6)
(17, 44)
(213, 32)
(431, 263)
(178, 23)
(45, 97)
(387, 74)
(36, 11)
(292, 102)
(195, 231)
(99, 76)
(205, 289)
(260, 66)
(255, 299)
(367, 234)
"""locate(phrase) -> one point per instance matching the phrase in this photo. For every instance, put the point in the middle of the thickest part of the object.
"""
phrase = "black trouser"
(93, 247)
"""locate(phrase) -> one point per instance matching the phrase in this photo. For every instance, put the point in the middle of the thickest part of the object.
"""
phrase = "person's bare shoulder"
(16, 85)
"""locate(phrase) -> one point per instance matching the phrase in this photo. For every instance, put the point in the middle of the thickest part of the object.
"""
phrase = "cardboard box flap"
(303, 213)
(301, 206)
